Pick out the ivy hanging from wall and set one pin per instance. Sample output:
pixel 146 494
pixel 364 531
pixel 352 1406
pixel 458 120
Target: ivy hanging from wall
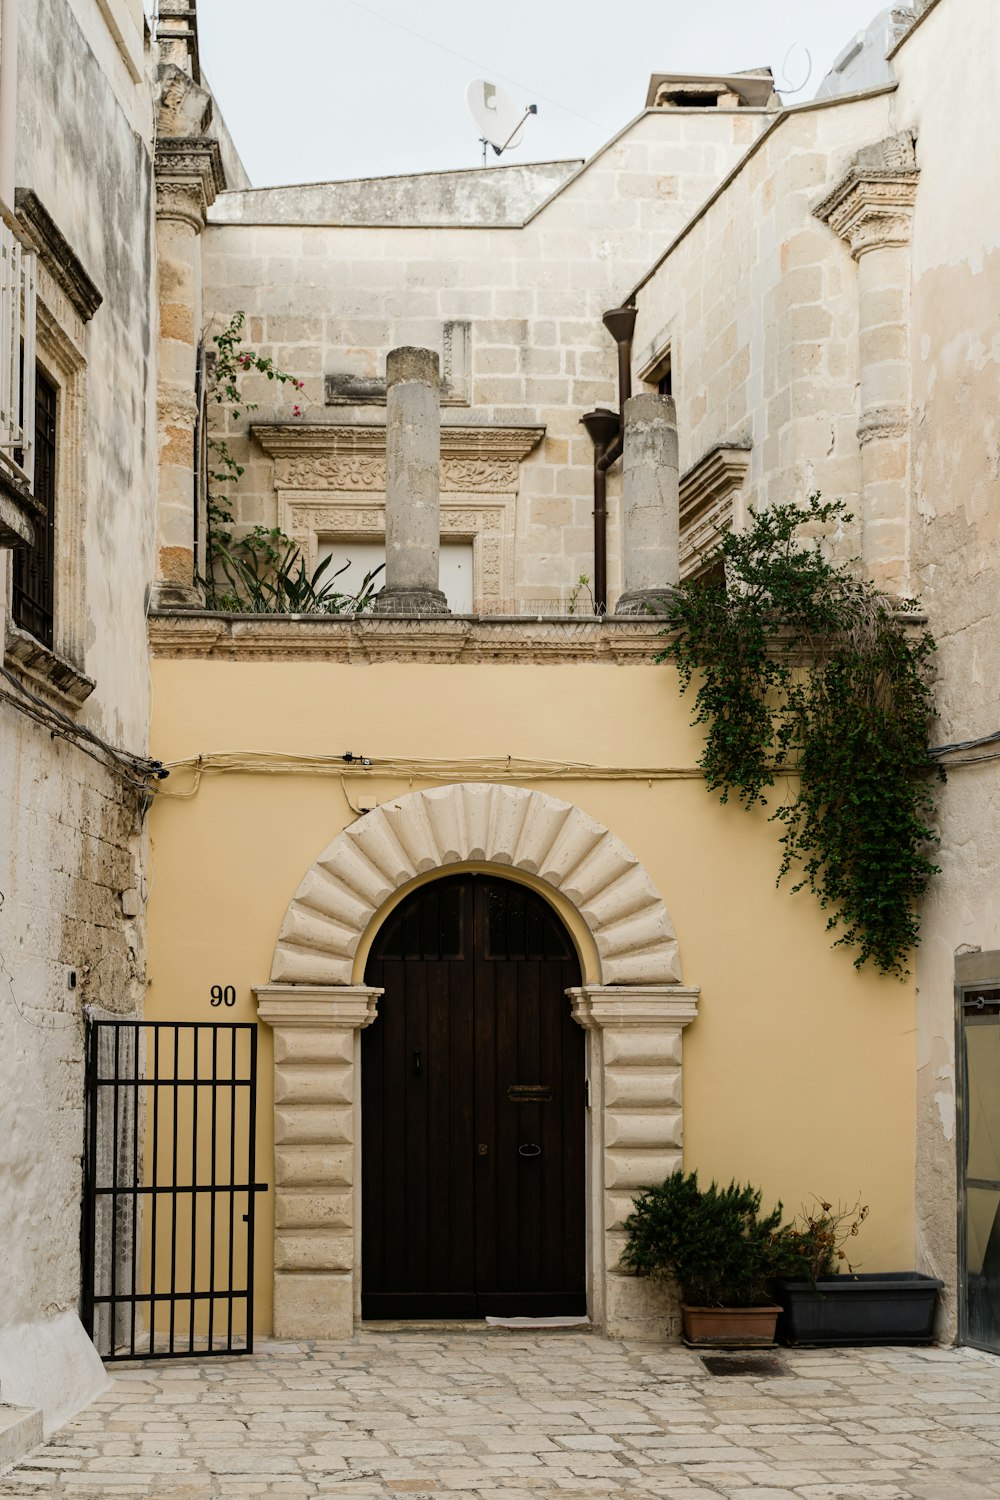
pixel 804 669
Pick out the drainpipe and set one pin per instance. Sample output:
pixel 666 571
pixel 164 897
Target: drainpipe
pixel 609 443
pixel 602 428
pixel 8 99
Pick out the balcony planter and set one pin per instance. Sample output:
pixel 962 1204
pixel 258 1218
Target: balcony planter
pixel 891 1307
pixel 729 1327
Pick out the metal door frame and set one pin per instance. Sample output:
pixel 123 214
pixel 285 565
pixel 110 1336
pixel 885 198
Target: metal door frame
pixel 973 971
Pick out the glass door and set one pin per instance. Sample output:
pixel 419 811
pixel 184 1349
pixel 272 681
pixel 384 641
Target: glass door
pixel 980 1219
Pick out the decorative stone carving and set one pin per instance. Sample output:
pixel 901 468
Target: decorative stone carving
pixel 476 821
pixel 872 205
pixel 351 457
pixel 882 422
pixel 194 636
pixel 189 174
pixel 707 502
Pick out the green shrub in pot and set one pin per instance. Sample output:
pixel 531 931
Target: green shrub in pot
pixel 712 1241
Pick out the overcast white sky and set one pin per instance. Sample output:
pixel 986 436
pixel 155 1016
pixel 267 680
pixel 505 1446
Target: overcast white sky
pixel 316 90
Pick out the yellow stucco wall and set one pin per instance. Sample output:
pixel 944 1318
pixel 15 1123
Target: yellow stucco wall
pixel 798 1073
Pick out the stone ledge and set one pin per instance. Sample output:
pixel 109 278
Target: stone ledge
pixel 20 1431
pixel 46 669
pixel 442 638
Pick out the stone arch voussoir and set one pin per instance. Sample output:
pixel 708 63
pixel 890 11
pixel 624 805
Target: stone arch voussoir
pixel 502 825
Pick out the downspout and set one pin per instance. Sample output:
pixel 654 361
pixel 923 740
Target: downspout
pixel 8 100
pixel 608 437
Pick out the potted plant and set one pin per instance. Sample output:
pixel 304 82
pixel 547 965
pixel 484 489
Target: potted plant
pixel 713 1242
pixel 826 1301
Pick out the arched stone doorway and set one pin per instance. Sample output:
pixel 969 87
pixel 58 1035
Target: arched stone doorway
pixel 631 1005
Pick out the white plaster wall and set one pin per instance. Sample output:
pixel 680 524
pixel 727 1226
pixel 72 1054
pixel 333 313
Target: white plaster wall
pixel 947 95
pixel 332 299
pixel 71 854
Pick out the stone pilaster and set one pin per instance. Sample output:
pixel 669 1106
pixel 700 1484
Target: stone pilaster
pixel 636 1138
pixel 189 174
pixel 316 1046
pixel 650 505
pixel 413 485
pixel 872 211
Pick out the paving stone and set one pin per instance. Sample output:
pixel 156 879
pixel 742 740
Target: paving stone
pixel 472 1415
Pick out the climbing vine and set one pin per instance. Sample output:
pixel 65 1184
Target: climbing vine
pixel 805 669
pixel 262 571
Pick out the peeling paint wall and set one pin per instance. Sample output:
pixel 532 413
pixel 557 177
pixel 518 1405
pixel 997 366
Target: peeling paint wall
pixel 72 851
pixel 947 95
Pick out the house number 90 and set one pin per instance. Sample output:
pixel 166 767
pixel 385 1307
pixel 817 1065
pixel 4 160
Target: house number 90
pixel 223 995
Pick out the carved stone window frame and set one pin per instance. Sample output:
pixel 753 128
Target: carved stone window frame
pixel 708 494
pixel 330 484
pixel 66 300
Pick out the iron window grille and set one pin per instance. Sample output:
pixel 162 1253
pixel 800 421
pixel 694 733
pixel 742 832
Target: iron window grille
pixel 33 602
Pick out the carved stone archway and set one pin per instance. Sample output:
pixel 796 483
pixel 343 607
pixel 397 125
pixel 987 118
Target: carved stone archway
pixel 634 1015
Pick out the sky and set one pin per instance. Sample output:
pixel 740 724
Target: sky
pixel 318 90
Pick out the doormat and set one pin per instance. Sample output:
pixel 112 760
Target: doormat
pixel 538 1322
pixel 757 1365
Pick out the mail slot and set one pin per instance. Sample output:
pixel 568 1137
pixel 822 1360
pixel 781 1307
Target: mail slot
pixel 530 1093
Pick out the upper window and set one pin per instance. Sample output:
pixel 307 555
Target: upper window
pixel 33 602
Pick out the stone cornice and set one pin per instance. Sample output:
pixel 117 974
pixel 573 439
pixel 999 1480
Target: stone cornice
pixel 871 208
pixel 318 1007
pixel 642 1006
pixel 189 175
pixel 370 639
pixel 714 477
pixel 351 456
pixel 47 240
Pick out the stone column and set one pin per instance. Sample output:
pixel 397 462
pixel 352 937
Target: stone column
pixel 634 1067
pixel 650 505
pixel 188 174
pixel 413 485
pixel 317 1043
pixel 872 210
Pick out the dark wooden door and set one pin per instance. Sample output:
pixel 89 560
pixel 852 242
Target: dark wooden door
pixel 472 1090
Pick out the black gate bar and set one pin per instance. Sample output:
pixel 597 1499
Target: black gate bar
pixel 153 1125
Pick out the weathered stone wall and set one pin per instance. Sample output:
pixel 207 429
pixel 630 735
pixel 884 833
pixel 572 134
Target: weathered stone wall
pixel 71 848
pixel 326 299
pixel 947 95
pixel 757 304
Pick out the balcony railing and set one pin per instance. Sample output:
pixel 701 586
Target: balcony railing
pixel 17 355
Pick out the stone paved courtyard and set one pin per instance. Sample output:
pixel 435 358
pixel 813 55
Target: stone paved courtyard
pixel 507 1416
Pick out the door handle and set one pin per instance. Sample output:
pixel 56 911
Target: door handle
pixel 416 1060
pixel 529 1149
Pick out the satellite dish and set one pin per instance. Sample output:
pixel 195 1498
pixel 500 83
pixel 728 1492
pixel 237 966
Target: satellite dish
pixel 498 119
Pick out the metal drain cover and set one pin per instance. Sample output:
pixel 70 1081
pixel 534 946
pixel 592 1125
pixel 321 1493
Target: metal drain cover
pixel 757 1365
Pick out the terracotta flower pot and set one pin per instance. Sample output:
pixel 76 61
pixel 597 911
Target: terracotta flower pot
pixel 730 1325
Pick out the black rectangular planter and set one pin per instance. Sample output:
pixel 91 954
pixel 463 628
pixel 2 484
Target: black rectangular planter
pixel 891 1307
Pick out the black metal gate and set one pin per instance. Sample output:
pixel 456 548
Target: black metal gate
pixel 169 1189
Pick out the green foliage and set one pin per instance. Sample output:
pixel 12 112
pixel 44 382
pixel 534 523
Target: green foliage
pixel 262 572
pixel 272 579
pixel 804 667
pixel 712 1241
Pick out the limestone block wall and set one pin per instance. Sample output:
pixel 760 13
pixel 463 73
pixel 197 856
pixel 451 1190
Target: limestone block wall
pixel 757 304
pixel 72 854
pixel 326 299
